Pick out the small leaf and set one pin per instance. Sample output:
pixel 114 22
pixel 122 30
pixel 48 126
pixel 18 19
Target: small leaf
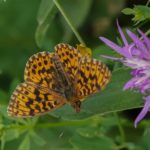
pixel 46 7
pixel 3 141
pixel 95 143
pixel 25 144
pixel 128 11
pixel 144 10
pixel 11 134
pixel 37 139
pixel 140 12
pixel 88 132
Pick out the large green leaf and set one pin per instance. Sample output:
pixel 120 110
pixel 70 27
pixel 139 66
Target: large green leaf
pixel 112 99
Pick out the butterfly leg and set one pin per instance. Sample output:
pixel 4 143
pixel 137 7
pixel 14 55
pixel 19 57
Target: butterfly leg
pixel 76 104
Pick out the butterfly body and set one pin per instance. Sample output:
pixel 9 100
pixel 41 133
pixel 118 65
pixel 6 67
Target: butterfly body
pixel 54 79
pixel 63 77
pixel 67 87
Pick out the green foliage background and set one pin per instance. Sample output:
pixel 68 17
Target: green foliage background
pixel 105 122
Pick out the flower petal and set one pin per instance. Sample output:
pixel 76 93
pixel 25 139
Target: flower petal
pixel 136 56
pixel 115 47
pixel 138 42
pixel 146 39
pixel 122 34
pixel 112 58
pixel 143 112
pixel 130 84
pixel 111 44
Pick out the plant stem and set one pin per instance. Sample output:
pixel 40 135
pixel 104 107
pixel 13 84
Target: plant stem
pixel 147 32
pixel 48 125
pixel 147 2
pixel 122 134
pixel 69 22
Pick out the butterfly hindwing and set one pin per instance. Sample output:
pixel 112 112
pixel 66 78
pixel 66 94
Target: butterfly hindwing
pixel 92 76
pixel 29 100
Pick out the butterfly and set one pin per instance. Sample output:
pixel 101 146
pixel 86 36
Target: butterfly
pixel 53 79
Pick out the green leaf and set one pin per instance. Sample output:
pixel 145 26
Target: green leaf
pixel 103 50
pixel 57 138
pixel 112 99
pixel 143 10
pixel 145 141
pixel 3 141
pixel 46 13
pixel 140 12
pixel 25 144
pixel 45 8
pixel 37 139
pixel 13 85
pixel 11 134
pixel 3 97
pixel 89 132
pixel 128 11
pixel 79 143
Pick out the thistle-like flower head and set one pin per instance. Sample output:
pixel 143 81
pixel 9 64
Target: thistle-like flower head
pixel 135 55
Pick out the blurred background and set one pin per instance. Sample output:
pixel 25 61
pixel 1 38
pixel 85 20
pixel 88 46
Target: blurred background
pixel 106 120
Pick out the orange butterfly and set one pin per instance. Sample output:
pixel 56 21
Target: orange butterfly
pixel 54 79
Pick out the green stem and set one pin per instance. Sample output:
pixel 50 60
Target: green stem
pixel 146 33
pixel 147 2
pixel 141 24
pixel 48 125
pixel 122 146
pixel 122 134
pixel 69 22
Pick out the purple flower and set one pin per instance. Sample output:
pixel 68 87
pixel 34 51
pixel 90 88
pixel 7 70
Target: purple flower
pixel 135 55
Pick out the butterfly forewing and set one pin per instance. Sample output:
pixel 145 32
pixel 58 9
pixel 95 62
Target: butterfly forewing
pixel 41 91
pixel 69 57
pixel 40 69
